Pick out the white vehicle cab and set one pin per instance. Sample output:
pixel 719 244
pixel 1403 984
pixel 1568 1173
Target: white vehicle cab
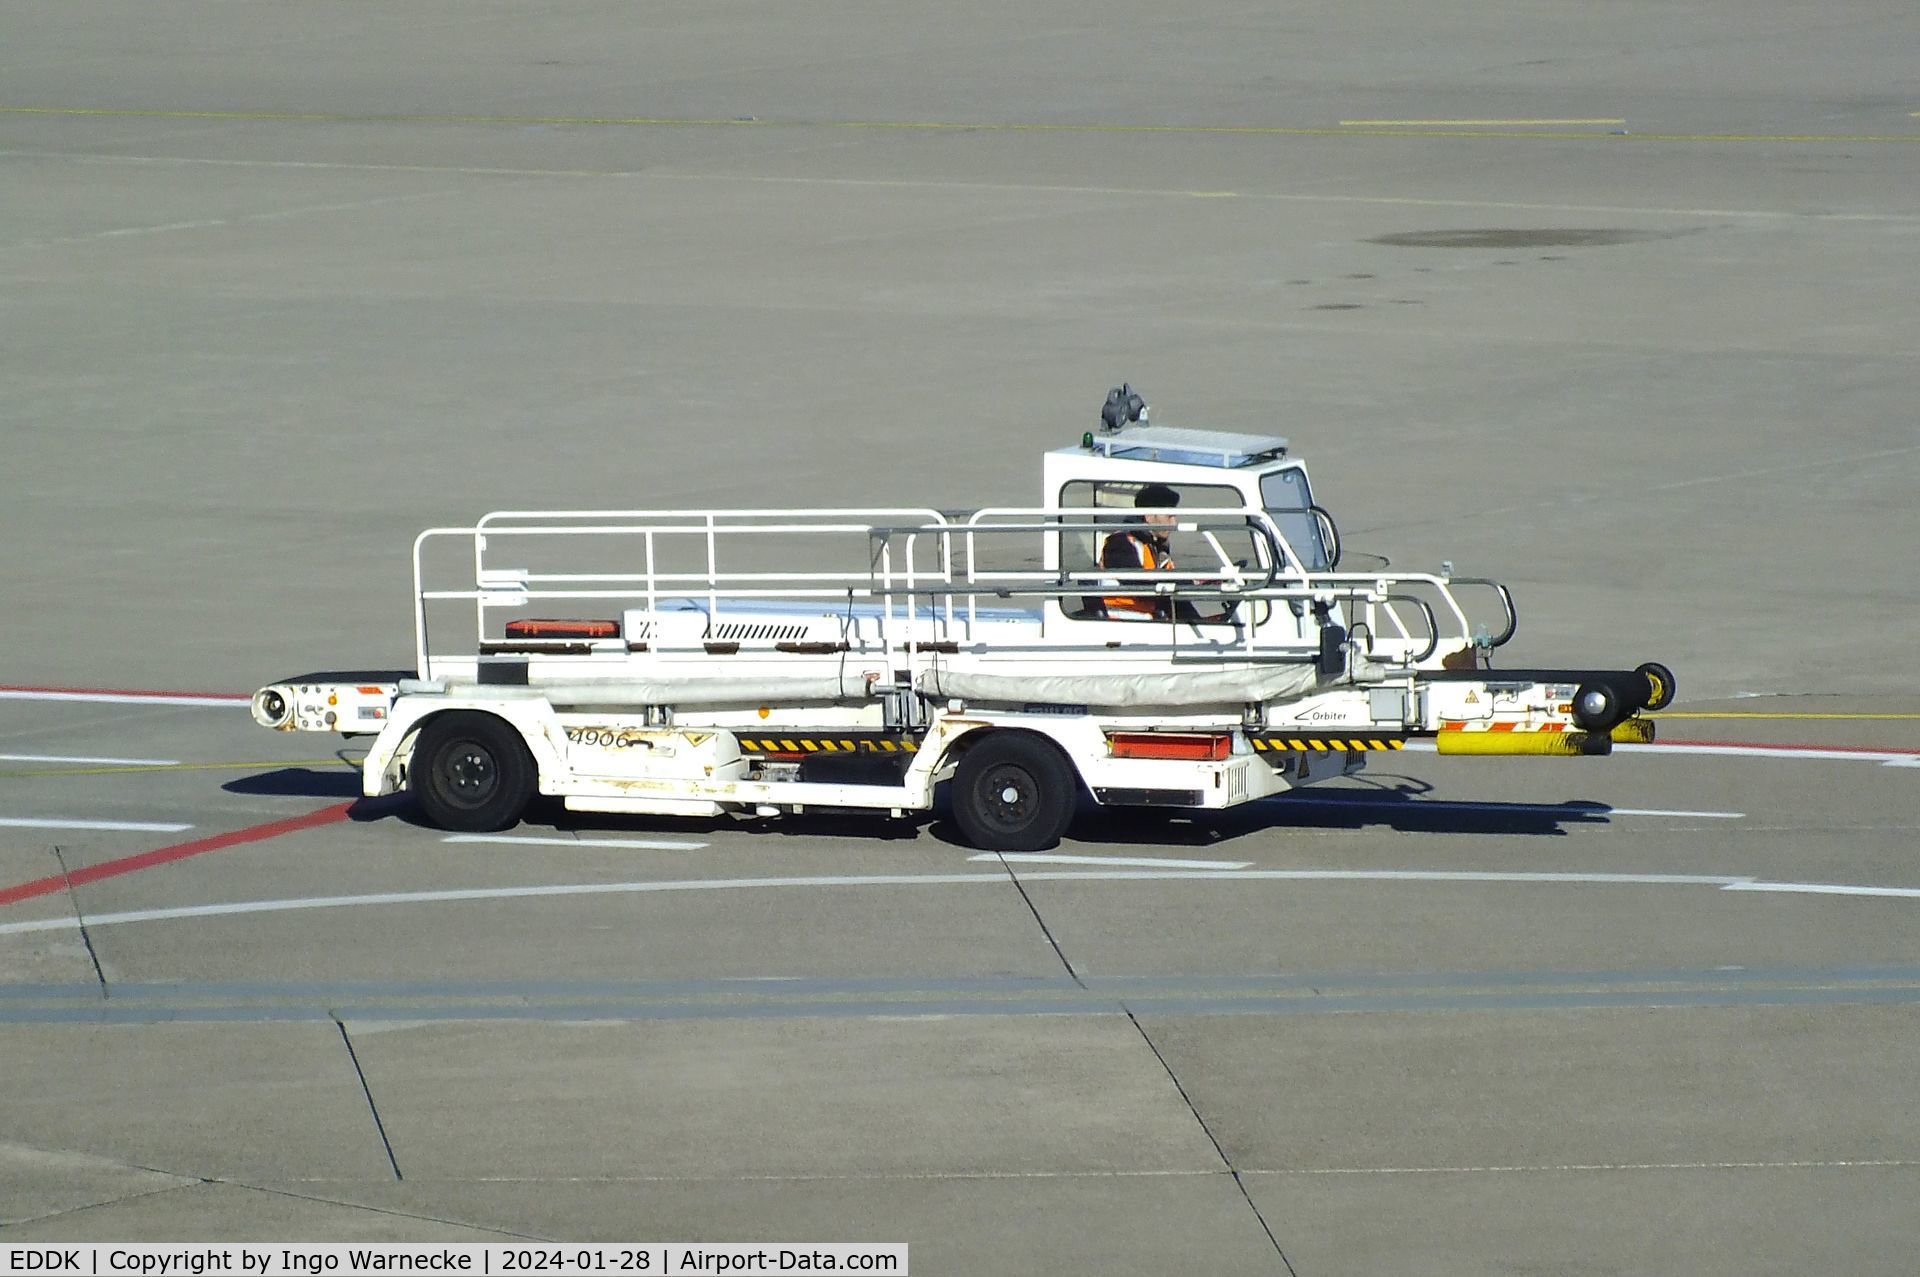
pixel 753 662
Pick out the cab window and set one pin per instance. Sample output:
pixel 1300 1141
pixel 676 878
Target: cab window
pixel 1285 495
pixel 1113 504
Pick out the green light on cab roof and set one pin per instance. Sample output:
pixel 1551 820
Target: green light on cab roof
pixel 1086 440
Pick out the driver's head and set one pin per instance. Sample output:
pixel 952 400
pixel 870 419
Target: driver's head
pixel 1157 494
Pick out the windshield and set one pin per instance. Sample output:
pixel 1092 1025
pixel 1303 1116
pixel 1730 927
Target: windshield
pixel 1285 495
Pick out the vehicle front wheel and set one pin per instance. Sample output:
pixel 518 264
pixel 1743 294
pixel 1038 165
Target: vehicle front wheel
pixel 1013 792
pixel 471 772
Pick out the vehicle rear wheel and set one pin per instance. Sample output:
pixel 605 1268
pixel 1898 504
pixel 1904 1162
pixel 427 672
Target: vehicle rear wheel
pixel 1013 792
pixel 471 772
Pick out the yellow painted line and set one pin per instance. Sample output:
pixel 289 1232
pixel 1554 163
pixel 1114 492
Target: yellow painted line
pixel 1743 713
pixel 1464 124
pixel 1357 129
pixel 179 767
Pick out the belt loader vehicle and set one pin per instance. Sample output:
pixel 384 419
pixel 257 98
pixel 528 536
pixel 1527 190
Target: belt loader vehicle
pixel 755 662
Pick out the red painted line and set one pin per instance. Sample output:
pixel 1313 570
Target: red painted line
pixel 167 855
pixel 123 691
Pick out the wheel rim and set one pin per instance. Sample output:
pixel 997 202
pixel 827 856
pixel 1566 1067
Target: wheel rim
pixel 1009 797
pixel 468 773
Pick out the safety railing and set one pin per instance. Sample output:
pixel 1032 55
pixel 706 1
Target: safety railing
pixel 925 577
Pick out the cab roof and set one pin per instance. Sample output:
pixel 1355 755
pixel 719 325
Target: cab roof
pixel 1214 448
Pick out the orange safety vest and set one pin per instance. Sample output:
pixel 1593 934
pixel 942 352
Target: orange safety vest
pixel 1150 606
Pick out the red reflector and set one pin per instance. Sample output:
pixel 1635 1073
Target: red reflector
pixel 532 628
pixel 1168 745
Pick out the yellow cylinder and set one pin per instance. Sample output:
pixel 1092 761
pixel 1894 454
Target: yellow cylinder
pixel 1530 744
pixel 1635 731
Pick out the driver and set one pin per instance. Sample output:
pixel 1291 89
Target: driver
pixel 1142 547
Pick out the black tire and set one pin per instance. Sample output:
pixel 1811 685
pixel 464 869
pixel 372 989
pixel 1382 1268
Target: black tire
pixel 471 772
pixel 1014 792
pixel 1660 684
pixel 1596 706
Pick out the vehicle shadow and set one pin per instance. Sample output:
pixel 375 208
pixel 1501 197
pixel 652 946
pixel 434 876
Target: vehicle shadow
pixel 862 825
pixel 1401 810
pixel 1406 807
pixel 299 782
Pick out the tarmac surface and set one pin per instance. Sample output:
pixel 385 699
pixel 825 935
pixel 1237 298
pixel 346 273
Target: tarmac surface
pixel 1613 303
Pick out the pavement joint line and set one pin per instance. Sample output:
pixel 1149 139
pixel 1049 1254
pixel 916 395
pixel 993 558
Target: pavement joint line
pixel 80 920
pixel 1206 1130
pixel 1219 1150
pixel 366 1090
pixel 1034 909
pixel 194 1181
pixel 376 1210
pixel 561 890
pixel 1357 129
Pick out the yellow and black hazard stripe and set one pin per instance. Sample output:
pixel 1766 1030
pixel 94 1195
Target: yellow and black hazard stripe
pixel 1301 743
pixel 813 741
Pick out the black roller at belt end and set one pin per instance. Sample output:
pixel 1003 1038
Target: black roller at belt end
pixel 1660 685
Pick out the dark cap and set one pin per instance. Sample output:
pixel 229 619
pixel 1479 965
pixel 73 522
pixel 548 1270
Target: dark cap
pixel 1156 494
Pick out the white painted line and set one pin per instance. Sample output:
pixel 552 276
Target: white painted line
pixel 1562 1168
pixel 1890 757
pixel 1462 124
pixel 79 758
pixel 1824 889
pixel 1137 862
pixel 1423 875
pixel 497 893
pixel 1896 758
pixel 880 880
pixel 929 184
pixel 1661 811
pixel 1552 809
pixel 637 844
pixel 121 698
pixel 132 826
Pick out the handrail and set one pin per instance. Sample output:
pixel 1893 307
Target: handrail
pixel 1506 602
pixel 953 570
